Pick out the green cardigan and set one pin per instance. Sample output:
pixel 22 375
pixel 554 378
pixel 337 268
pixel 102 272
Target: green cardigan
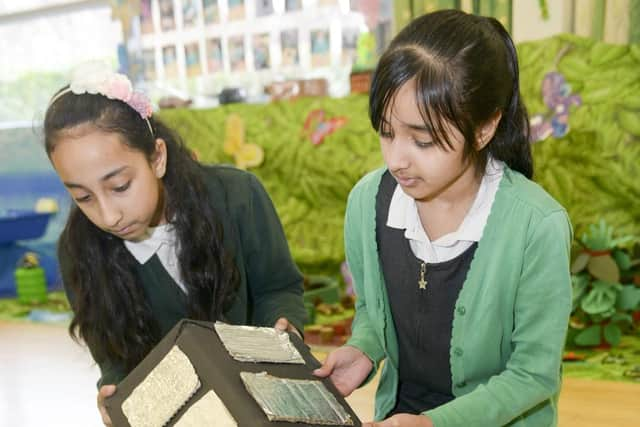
pixel 510 318
pixel 270 283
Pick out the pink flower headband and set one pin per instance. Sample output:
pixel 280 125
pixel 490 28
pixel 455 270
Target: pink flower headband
pixel 95 77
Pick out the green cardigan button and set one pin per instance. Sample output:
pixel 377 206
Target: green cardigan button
pixel 461 384
pixel 458 351
pixel 462 310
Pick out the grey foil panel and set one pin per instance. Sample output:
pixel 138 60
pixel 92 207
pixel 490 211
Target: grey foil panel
pixel 284 399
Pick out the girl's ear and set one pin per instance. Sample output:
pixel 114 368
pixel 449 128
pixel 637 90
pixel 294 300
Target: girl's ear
pixel 159 161
pixel 485 133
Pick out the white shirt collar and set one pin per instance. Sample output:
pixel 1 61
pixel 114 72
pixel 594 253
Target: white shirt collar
pixel 403 211
pixel 144 249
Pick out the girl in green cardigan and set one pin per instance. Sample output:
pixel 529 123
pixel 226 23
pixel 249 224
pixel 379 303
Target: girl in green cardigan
pixel 154 236
pixel 460 262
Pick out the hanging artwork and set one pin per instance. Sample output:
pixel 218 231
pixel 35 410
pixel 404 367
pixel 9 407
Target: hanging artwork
pixel 214 55
pixel 170 62
pixel 189 13
pixel 210 11
pixel 320 48
pixel 349 45
pixel 261 51
pixel 264 7
pixel 236 10
pixel 236 53
pixel 167 21
pixel 192 59
pixel 289 43
pixel 149 64
pixel 146 18
pixel 292 5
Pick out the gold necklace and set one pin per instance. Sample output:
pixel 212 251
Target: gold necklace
pixel 422 283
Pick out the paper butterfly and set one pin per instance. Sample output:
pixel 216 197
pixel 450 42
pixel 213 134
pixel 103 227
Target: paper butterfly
pixel 556 94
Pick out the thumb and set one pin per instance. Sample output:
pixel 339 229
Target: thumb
pixel 326 369
pixel 281 324
pixel 107 390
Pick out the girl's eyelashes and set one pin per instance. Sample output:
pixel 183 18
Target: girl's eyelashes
pixel 421 144
pixel 386 134
pixel 122 188
pixel 82 199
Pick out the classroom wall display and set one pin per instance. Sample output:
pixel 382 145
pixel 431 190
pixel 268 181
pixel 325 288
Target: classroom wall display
pixel 204 45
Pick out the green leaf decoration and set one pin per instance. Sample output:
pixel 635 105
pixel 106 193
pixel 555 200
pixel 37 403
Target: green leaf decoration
pixel 590 336
pixel 612 334
pixel 580 262
pixel 622 318
pixel 599 236
pixel 628 298
pixel 622 259
pixel 603 267
pixel 602 317
pixel 600 299
pixel 579 286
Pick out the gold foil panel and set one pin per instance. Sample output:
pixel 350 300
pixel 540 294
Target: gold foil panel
pixel 207 411
pixel 167 387
pixel 258 344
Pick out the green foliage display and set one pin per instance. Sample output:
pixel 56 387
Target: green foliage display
pixel 593 171
pixel 308 183
pixel 604 296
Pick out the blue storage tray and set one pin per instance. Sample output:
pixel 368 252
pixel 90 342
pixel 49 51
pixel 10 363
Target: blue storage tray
pixel 22 225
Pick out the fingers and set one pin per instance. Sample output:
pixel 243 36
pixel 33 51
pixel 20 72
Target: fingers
pixel 389 422
pixel 282 324
pixel 105 391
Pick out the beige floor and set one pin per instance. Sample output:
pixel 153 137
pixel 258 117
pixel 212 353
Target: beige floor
pixel 47 380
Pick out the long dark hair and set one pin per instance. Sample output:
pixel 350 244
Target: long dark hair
pixel 466 70
pixel 111 312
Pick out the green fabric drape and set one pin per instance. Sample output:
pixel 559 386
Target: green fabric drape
pixel 406 10
pixel 634 25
